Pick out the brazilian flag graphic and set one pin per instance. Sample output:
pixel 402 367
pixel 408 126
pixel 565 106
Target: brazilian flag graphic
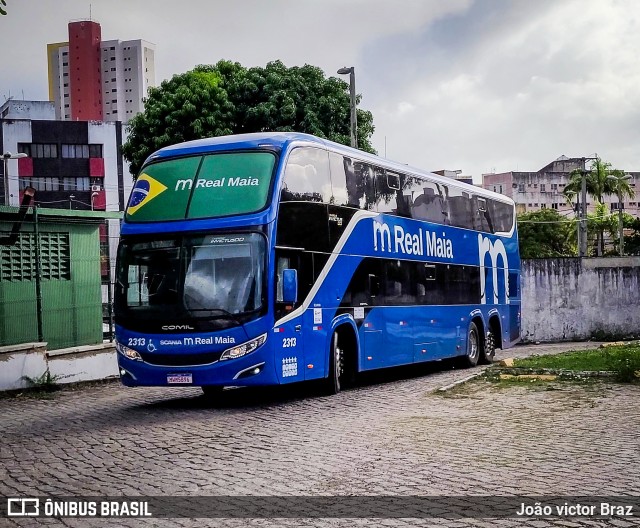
pixel 145 190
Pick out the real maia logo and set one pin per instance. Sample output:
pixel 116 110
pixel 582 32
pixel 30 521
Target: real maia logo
pixel 203 183
pixel 424 243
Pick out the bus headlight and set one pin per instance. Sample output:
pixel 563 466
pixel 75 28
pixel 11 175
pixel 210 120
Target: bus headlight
pixel 244 348
pixel 128 352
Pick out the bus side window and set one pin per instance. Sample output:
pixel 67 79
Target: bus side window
pixel 282 264
pixel 365 185
pixel 460 207
pixel 482 215
pixel 341 175
pixel 307 176
pixel 385 194
pixel 399 287
pixel 429 205
pixel 347 189
pixel 411 190
pixel 502 215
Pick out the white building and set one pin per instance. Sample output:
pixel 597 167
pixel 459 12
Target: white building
pixel 544 189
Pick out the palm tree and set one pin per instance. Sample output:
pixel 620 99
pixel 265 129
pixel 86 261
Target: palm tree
pixel 599 184
pixel 621 186
pixel 623 189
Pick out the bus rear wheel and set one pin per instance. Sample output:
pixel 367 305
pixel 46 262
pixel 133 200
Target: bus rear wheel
pixel 470 359
pixel 333 383
pixel 489 348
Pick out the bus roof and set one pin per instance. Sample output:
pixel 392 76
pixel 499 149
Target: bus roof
pixel 281 140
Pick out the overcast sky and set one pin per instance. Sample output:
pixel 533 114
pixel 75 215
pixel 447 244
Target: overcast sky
pixel 476 85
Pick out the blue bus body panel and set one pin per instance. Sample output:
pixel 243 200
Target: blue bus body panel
pixel 298 345
pixel 406 334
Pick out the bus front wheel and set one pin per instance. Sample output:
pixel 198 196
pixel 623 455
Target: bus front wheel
pixel 333 383
pixel 470 359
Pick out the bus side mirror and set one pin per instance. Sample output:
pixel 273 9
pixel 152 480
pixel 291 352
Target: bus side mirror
pixel 289 286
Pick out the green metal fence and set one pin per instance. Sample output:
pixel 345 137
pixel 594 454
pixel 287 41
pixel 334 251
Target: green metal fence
pixel 51 277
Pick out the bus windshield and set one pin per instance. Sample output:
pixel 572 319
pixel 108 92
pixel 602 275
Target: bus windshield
pixel 192 277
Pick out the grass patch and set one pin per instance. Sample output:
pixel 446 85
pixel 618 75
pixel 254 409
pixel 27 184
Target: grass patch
pixel 624 360
pixel 44 383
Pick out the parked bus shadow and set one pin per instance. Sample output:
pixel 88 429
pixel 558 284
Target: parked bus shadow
pixel 261 397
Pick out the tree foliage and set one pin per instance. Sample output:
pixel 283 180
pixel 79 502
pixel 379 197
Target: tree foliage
pixel 597 181
pixel 227 98
pixel 599 221
pixel 601 180
pixel 546 234
pixel 632 242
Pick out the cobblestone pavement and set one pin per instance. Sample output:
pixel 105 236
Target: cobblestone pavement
pixel 391 435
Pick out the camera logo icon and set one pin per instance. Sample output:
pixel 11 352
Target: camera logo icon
pixel 23 507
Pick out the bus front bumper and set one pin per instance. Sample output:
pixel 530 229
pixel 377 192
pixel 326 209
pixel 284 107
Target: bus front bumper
pixel 253 369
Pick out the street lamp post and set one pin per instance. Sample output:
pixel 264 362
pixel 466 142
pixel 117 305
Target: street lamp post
pixel 5 159
pixel 352 90
pixel 72 197
pixel 619 180
pixel 93 195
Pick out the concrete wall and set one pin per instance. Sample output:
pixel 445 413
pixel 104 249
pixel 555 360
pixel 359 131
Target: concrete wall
pixel 19 363
pixel 573 299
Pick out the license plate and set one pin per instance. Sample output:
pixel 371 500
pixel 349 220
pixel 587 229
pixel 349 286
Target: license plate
pixel 175 379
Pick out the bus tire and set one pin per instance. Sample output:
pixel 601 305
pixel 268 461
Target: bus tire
pixel 489 351
pixel 470 359
pixel 333 382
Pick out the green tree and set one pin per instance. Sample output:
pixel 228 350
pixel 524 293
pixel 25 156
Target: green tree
pixel 600 182
pixel 227 98
pixel 188 106
pixel 545 234
pixel 622 189
pixel 620 185
pixel 599 222
pixel 632 242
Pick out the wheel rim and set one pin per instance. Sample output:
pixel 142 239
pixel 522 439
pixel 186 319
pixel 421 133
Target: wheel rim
pixel 490 348
pixel 337 361
pixel 472 351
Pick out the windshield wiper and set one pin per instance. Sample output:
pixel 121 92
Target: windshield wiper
pixel 223 314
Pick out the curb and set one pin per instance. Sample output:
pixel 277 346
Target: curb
pixel 548 374
pixel 461 381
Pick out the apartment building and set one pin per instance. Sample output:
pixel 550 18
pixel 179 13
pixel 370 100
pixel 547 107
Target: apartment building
pixel 74 165
pixel 95 80
pixel 544 188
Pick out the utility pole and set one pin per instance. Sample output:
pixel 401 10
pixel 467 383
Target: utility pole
pixel 583 211
pixel 578 212
pixel 620 224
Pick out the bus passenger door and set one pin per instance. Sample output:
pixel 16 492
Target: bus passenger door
pixel 373 325
pixel 289 342
pixel 398 301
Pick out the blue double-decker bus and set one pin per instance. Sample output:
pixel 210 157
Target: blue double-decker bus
pixel 274 258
